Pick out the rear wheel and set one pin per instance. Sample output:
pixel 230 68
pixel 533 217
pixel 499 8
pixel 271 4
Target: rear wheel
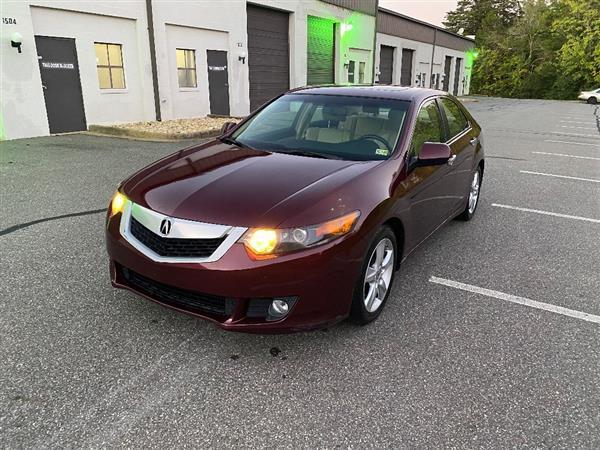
pixel 374 284
pixel 592 100
pixel 473 199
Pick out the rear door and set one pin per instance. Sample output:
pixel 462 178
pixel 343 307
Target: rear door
pixel 462 139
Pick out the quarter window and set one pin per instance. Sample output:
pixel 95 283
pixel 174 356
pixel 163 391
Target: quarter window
pixel 428 128
pixel 457 122
pixel 109 64
pixel 186 68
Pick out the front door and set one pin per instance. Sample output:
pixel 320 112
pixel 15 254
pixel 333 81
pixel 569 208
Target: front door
pixel 406 67
pixel 357 66
pixel 218 84
pixel 61 84
pixel 430 199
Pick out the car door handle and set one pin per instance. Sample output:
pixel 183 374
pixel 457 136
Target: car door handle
pixel 451 160
pixel 474 140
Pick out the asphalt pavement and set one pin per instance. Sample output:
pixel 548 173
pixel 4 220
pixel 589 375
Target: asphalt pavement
pixel 490 338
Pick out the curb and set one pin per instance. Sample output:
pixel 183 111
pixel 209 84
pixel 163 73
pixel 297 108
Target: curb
pixel 138 134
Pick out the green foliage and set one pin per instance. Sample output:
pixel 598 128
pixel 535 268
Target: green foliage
pixel 532 48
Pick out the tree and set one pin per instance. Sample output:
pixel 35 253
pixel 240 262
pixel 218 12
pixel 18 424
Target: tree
pixel 534 48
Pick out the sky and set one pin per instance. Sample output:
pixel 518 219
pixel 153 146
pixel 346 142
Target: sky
pixel 432 11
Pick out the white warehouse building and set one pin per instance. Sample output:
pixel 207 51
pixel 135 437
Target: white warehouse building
pixel 66 65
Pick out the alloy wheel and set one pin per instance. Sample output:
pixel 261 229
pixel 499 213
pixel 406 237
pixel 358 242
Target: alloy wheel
pixel 474 192
pixel 379 275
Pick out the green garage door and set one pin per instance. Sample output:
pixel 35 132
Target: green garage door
pixel 321 47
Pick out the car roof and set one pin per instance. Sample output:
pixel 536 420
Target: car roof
pixel 412 94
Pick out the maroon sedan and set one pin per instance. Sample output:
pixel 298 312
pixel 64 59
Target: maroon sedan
pixel 299 216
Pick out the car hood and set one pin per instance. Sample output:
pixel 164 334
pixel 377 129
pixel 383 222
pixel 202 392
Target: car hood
pixel 224 184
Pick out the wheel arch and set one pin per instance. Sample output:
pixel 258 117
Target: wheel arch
pixel 398 228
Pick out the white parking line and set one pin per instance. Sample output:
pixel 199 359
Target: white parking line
pixel 577 121
pixel 573 143
pixel 578 128
pixel 567 156
pixel 560 176
pixel 547 213
pixel 516 299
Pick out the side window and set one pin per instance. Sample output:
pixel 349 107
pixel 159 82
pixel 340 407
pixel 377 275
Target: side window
pixel 109 64
pixel 457 121
pixel 428 128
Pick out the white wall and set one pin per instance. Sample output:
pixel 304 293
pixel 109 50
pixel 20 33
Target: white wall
pixel 119 21
pixel 421 60
pixel 201 25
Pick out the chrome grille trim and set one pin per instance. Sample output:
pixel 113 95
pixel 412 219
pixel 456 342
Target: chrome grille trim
pixel 181 228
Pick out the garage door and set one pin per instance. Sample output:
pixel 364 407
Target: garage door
pixel 320 47
pixel 406 69
pixel 386 64
pixel 268 54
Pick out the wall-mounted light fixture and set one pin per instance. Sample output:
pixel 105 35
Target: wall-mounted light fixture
pixel 16 40
pixel 242 57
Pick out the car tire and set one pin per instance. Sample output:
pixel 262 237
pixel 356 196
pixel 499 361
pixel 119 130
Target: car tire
pixel 377 273
pixel 592 100
pixel 473 197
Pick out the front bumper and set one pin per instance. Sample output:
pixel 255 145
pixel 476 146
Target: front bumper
pixel 321 280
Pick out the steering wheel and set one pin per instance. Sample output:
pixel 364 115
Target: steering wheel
pixel 378 139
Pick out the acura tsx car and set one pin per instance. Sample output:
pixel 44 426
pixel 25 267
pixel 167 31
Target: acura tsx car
pixel 299 216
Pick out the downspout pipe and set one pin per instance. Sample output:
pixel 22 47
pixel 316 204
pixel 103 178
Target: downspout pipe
pixel 432 54
pixel 150 17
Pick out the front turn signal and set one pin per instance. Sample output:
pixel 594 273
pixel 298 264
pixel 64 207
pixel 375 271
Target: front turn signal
pixel 117 204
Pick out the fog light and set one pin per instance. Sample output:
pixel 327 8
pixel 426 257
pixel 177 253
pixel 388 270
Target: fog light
pixel 278 308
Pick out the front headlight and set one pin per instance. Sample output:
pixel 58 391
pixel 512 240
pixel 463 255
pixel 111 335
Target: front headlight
pixel 270 242
pixel 117 204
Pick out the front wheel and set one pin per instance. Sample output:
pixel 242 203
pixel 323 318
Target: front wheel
pixel 473 199
pixel 592 100
pixel 375 281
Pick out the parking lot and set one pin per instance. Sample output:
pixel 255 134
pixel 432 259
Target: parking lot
pixel 491 337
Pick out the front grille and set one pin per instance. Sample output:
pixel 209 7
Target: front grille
pixel 174 247
pixel 180 298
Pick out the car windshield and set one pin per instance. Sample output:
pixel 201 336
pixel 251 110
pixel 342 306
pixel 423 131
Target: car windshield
pixel 328 126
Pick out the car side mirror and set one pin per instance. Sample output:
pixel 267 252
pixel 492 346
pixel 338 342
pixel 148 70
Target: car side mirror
pixel 227 127
pixel 434 154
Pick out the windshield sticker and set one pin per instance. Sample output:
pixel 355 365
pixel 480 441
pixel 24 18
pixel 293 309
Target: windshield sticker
pixel 382 152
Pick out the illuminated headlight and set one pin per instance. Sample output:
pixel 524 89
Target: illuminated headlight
pixel 117 204
pixel 270 242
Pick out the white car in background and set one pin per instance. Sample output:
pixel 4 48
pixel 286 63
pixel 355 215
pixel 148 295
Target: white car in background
pixel 592 97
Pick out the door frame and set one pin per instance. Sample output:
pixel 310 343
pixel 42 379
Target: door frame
pixel 78 76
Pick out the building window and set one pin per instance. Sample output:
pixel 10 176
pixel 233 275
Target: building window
pixel 109 63
pixel 186 68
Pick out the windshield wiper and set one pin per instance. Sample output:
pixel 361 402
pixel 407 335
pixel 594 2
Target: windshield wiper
pixel 232 141
pixel 303 152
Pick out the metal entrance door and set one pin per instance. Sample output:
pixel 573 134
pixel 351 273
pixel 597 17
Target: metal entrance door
pixel 61 84
pixel 447 66
pixel 218 84
pixel 406 68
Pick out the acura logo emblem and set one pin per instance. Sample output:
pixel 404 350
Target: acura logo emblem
pixel 165 226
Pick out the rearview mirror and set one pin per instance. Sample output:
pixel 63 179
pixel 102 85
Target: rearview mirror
pixel 434 153
pixel 227 127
